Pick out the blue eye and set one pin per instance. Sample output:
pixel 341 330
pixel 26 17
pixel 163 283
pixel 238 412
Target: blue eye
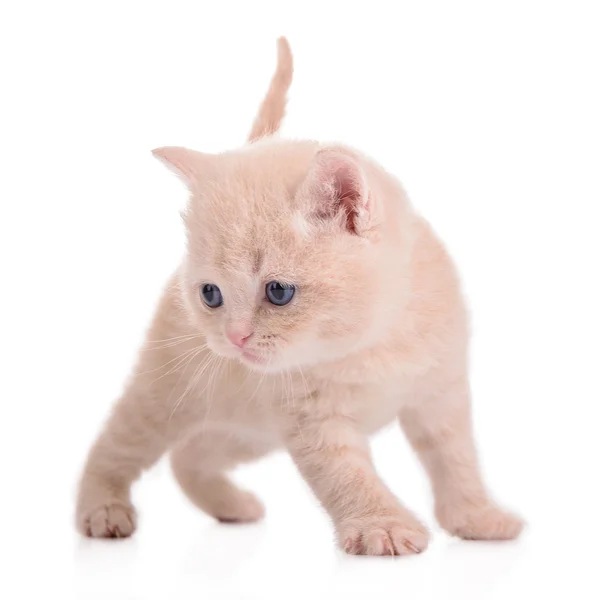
pixel 279 294
pixel 211 295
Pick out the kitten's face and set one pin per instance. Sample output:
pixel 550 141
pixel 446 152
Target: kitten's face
pixel 267 282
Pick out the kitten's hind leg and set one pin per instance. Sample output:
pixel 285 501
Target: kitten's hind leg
pixel 440 431
pixel 200 466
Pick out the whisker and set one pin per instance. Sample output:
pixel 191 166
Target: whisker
pixel 304 383
pixel 281 383
pixel 217 373
pixel 207 386
pixel 262 378
pixel 188 351
pixel 177 337
pixel 191 383
pixel 246 377
pixel 170 344
pixel 288 390
pixel 289 375
pixel 181 359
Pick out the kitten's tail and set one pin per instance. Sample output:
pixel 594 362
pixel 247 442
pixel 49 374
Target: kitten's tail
pixel 272 109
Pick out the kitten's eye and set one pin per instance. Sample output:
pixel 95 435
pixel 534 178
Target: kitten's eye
pixel 211 295
pixel 279 293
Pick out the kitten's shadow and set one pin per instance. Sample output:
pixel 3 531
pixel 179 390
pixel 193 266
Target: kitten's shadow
pixel 216 549
pixel 452 568
pixel 220 549
pixel 478 567
pixel 95 558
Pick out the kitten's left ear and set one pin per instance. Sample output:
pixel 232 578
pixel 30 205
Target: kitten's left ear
pixel 336 187
pixel 190 166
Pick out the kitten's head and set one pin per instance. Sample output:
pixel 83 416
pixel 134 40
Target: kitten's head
pixel 284 264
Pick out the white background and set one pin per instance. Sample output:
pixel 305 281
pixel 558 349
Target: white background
pixel 489 114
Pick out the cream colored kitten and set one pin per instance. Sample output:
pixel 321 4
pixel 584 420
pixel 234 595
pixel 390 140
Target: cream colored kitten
pixel 313 307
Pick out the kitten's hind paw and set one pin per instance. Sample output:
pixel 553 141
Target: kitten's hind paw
pixel 243 507
pixel 480 523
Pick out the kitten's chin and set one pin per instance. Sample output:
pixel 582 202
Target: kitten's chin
pixel 251 358
pixel 260 363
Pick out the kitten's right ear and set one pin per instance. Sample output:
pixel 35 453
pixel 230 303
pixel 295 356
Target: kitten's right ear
pixel 336 187
pixel 190 166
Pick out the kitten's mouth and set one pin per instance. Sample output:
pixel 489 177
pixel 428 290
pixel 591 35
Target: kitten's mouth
pixel 252 358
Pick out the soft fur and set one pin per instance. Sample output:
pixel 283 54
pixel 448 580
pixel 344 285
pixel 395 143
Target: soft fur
pixel 377 331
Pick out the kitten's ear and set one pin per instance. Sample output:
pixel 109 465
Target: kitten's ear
pixel 336 187
pixel 190 166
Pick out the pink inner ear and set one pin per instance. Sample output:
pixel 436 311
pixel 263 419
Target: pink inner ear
pixel 344 187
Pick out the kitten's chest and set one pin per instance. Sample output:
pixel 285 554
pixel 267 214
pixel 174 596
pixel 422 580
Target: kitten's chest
pixel 375 406
pixel 254 400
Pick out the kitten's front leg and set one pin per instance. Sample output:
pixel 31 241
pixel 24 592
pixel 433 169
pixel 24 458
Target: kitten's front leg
pixel 440 431
pixel 334 458
pixel 132 440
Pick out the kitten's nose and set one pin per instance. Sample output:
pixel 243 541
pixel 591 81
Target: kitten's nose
pixel 238 335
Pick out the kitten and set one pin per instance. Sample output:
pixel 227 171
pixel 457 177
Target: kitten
pixel 313 307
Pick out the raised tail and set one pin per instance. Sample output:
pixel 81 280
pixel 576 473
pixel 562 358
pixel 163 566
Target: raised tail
pixel 272 109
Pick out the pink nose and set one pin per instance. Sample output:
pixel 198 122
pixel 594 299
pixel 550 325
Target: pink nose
pixel 238 336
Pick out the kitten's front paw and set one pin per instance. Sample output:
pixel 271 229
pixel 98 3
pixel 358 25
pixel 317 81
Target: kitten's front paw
pixel 383 535
pixel 486 522
pixel 107 520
